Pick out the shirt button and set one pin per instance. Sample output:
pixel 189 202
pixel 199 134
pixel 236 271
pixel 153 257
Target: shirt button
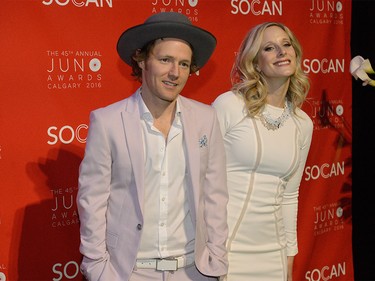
pixel 139 226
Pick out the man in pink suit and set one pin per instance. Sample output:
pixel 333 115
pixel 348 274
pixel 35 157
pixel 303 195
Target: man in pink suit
pixel 152 185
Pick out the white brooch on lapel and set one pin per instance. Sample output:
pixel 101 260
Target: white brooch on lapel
pixel 203 141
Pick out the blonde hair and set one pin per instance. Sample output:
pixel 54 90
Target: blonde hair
pixel 251 84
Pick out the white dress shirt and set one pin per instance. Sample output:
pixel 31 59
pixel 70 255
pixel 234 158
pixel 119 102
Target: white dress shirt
pixel 168 230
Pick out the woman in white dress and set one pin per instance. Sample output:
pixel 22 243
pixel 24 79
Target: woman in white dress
pixel 267 138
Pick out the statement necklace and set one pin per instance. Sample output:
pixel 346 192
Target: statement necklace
pixel 274 124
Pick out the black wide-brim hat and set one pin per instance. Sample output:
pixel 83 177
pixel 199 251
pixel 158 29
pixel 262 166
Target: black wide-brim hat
pixel 167 25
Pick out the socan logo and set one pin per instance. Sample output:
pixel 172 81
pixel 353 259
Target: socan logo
pixel 325 171
pixel 66 271
pixel 67 134
pixel 324 65
pixel 256 7
pixel 326 272
pixel 79 3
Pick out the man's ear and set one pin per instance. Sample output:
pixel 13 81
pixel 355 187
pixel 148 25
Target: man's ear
pixel 141 64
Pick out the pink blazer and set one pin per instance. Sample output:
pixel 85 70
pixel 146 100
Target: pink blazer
pixel 111 189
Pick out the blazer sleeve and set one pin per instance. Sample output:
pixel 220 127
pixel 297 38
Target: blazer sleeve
pixel 93 192
pixel 211 259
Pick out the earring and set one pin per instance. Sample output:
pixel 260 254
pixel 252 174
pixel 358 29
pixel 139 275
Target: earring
pixel 257 68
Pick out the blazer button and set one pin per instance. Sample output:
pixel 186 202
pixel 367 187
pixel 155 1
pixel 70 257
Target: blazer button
pixel 139 226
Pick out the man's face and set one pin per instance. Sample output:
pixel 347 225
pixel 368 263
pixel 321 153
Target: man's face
pixel 166 70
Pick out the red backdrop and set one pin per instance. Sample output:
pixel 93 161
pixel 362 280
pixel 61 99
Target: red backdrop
pixel 59 62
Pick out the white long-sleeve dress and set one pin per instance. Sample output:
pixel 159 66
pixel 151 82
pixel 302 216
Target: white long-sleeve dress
pixel 264 171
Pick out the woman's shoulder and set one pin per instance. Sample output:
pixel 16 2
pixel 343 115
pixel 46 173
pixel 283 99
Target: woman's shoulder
pixel 230 109
pixel 229 101
pixel 305 121
pixel 228 97
pixel 303 116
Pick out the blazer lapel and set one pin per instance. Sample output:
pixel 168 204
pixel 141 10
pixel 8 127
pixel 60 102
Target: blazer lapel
pixel 133 136
pixel 192 150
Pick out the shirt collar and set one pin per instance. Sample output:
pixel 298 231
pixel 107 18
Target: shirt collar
pixel 145 113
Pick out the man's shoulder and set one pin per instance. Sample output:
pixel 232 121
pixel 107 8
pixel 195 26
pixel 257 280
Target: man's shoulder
pixel 116 106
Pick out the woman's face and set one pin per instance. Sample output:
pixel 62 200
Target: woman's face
pixel 276 56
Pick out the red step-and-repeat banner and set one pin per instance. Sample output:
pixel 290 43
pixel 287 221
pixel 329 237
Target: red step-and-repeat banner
pixel 59 62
